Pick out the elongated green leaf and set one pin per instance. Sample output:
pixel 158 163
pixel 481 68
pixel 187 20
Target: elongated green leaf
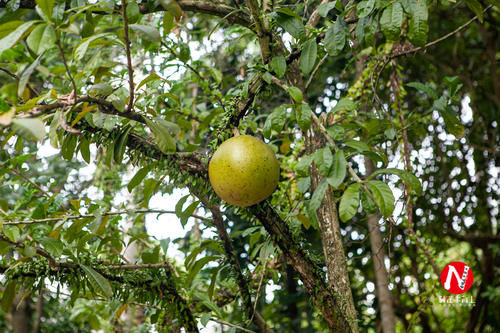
pixel 139 176
pixel 476 7
pixel 422 87
pixel 364 8
pixel 335 37
pixel 23 80
pixel 198 266
pixel 81 50
pixel 336 132
pixel 147 32
pixel 318 195
pixel 358 145
pixel 291 24
pixel 275 121
pixel 132 12
pixel 30 128
pixel 98 282
pixel 308 56
pixel 84 148
pixel 41 38
pixel 453 123
pixel 405 176
pixel 324 159
pixel 173 7
pixel 324 8
pixel 278 65
pixel 8 295
pixel 418 23
pixel 383 196
pixel 338 170
pixel 391 21
pixel 120 145
pixel 303 116
pixel 349 203
pixel 345 104
pixel 296 94
pixel 186 214
pixel 46 6
pixel 14 37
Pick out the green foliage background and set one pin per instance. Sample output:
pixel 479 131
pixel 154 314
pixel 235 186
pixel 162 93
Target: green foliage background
pixel 412 85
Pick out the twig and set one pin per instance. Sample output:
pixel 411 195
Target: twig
pixel 415 49
pixel 315 71
pixel 67 127
pixel 14 75
pixel 185 63
pixel 129 59
pixel 31 182
pixel 58 43
pixel 75 217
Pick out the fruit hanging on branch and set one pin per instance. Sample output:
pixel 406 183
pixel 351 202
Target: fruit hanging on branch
pixel 244 171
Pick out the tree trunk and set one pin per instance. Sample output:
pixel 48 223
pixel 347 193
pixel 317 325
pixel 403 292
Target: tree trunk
pixel 333 249
pixel 378 255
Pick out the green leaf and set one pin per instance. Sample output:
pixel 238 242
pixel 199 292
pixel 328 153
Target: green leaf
pixel 336 132
pixel 302 167
pixel 81 50
pixel 101 89
pixel 53 246
pixel 147 32
pixel 358 145
pixel 368 205
pixel 364 8
pixel 349 203
pixel 278 65
pixel 292 25
pixel 476 7
pixel 120 145
pixel 46 6
pixel 186 214
pixel 345 104
pixel 98 282
pixel 383 196
pixel 41 38
pixel 419 27
pixel 308 56
pixel 391 21
pixel 324 159
pixel 338 169
pixel 14 37
pixel 405 176
pixel 296 94
pixel 335 37
pixel 84 148
pixel 8 295
pixel 12 232
pixel 318 196
pixel 168 23
pixel 132 12
pixel 304 184
pixel 453 123
pixel 324 8
pixel 205 318
pixel 29 128
pixel 275 121
pixel 423 88
pixel 150 78
pixel 23 80
pixel 303 116
pixel 139 176
pixel 198 266
pixel 68 146
pixel 173 7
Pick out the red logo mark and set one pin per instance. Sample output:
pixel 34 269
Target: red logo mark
pixel 457 277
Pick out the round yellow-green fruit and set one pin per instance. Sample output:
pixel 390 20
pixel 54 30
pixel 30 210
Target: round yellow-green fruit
pixel 244 171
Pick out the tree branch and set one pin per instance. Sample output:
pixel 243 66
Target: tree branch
pixel 76 217
pixel 129 59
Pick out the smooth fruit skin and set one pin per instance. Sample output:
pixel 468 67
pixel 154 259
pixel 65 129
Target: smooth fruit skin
pixel 244 171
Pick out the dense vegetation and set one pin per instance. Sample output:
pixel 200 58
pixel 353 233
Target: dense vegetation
pixel 384 116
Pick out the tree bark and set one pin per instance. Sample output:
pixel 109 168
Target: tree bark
pixel 378 255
